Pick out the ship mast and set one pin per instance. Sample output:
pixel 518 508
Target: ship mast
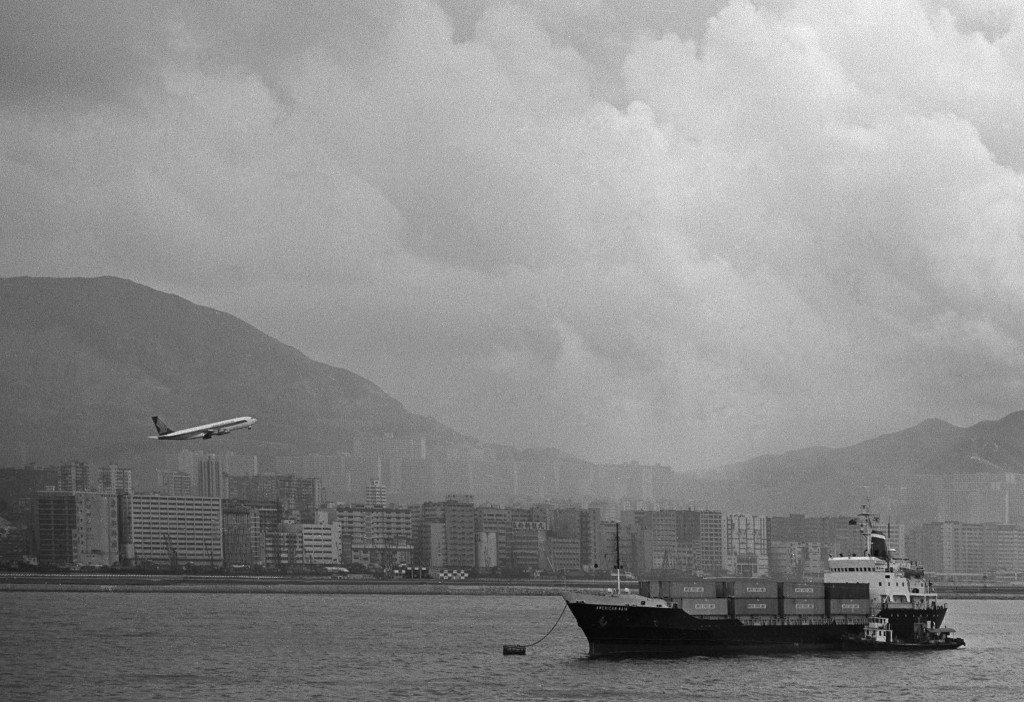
pixel 618 564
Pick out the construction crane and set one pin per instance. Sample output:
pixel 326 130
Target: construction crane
pixel 172 553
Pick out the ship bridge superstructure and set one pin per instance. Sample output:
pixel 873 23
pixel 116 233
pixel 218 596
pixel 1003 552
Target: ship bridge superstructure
pixel 894 583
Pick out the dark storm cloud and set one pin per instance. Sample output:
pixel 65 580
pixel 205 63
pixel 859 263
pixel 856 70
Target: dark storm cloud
pixel 71 53
pixel 686 232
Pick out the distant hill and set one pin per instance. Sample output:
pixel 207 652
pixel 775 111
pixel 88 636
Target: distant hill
pixel 85 363
pixel 833 481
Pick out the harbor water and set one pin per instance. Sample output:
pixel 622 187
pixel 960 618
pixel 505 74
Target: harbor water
pixel 234 646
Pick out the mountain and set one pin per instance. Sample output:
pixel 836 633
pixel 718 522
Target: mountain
pixel 85 363
pixel 893 468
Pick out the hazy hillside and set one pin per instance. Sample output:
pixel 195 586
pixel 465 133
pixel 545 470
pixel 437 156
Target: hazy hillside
pixel 84 363
pixel 834 481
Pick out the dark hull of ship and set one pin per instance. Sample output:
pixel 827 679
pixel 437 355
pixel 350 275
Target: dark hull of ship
pixel 907 624
pixel 649 632
pixel 616 631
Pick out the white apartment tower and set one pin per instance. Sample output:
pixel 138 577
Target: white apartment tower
pixel 376 494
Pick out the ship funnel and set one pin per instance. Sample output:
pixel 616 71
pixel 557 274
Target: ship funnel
pixel 879 547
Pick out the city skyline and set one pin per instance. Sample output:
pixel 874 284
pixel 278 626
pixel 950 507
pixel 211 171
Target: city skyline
pixel 93 517
pixel 458 537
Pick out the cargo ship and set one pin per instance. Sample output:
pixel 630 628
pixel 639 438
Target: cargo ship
pixel 872 601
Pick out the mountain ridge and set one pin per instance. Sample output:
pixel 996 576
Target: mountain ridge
pixel 85 362
pixel 84 355
pixel 832 480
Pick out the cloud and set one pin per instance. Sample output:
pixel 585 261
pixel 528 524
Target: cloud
pixel 679 234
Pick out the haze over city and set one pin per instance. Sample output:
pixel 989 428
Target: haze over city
pixel 675 233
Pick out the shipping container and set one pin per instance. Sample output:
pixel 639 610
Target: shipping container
pixel 746 606
pixel 706 606
pixel 751 588
pixel 691 589
pixel 851 606
pixel 847 591
pixel 795 607
pixel 809 590
pixel 649 588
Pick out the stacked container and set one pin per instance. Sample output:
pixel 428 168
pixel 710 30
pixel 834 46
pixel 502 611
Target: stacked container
pixel 704 606
pixel 753 597
pixel 691 589
pixel 846 599
pixel 802 599
pixel 701 598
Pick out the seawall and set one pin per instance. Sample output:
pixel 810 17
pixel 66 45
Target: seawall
pixel 975 591
pixel 10 582
pixel 284 585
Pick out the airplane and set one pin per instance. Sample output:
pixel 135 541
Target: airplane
pixel 203 431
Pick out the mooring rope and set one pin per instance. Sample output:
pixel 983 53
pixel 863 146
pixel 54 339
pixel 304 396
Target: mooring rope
pixel 552 628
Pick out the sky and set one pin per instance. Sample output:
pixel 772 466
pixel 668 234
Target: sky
pixel 677 232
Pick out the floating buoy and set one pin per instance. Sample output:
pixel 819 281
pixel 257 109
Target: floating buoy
pixel 520 650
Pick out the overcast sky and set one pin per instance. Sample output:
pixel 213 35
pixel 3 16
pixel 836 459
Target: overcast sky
pixel 684 232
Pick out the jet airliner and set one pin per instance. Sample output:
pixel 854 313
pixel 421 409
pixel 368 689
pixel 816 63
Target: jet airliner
pixel 203 431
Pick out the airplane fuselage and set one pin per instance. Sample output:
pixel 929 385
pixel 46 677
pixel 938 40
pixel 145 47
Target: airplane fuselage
pixel 203 431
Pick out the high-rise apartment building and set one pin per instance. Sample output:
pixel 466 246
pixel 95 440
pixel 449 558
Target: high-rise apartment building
pixel 746 546
pixel 82 477
pixel 590 523
pixel 210 481
pixel 493 527
pixel 75 528
pixel 243 542
pixel 528 546
pixel 53 527
pixel 381 534
pixel 174 482
pixel 320 544
pixel 958 547
pixel 283 547
pixel 710 543
pixel 73 477
pixel 171 530
pixel 454 520
pixel 113 479
pixel 376 494
pixel 290 492
pixel 654 540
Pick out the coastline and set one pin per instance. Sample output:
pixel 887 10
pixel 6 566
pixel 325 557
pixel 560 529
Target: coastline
pixel 74 582
pixel 286 585
pixel 975 591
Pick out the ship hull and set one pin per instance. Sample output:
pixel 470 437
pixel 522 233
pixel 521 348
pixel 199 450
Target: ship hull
pixel 614 631
pixel 943 645
pixel 908 624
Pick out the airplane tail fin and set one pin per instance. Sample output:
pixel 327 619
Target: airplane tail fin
pixel 161 428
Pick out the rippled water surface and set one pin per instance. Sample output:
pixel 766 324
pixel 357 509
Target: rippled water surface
pixel 167 646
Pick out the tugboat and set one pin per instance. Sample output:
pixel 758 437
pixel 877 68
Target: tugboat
pixel 879 636
pixel 869 602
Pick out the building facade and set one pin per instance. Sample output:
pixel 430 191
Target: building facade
pixel 74 529
pixel 171 530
